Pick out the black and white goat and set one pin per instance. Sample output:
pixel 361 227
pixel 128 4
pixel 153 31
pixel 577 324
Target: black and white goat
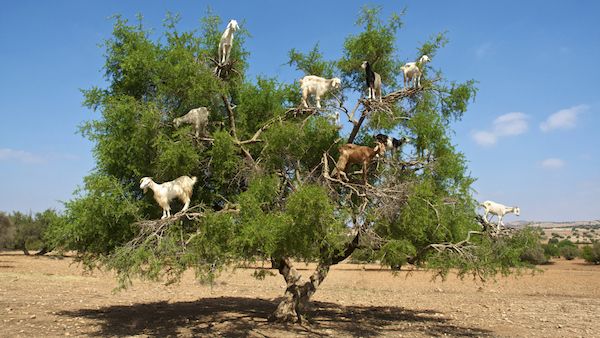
pixel 392 143
pixel 373 81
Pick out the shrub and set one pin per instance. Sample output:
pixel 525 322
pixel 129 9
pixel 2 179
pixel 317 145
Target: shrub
pixel 534 256
pixel 565 243
pixel 569 252
pixel 591 253
pixel 550 250
pixel 7 232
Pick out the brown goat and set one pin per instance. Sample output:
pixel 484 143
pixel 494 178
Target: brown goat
pixel 352 153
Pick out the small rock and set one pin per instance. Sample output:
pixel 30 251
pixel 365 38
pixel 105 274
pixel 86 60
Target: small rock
pixel 32 317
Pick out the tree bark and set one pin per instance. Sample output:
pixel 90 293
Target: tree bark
pixel 297 295
pixel 296 299
pixel 24 248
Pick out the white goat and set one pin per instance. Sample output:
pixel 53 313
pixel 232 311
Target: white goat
pixel 163 193
pixel 196 117
pixel 373 81
pixel 312 84
pixel 412 71
pixel 499 210
pixel 227 41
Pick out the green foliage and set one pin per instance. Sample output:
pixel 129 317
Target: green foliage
pixel 289 144
pixel 260 102
pixel 569 252
pixel 591 253
pixel 98 220
pixel 551 250
pixel 311 63
pixel 395 253
pixel 566 243
pixel 374 44
pixel 7 232
pixel 261 194
pixel 26 231
pixel 314 230
pixel 535 255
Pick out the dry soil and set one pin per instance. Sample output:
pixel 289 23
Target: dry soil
pixel 50 296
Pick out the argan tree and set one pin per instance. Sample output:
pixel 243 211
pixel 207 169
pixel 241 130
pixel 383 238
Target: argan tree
pixel 265 192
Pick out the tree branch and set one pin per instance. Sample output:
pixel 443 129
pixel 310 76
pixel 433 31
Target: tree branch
pixel 231 117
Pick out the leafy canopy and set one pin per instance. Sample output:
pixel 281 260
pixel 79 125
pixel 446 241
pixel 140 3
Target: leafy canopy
pixel 263 190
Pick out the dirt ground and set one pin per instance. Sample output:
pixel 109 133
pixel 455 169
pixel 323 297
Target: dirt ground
pixel 49 296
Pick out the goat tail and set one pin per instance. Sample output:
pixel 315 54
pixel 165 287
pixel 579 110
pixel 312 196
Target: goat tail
pixel 188 186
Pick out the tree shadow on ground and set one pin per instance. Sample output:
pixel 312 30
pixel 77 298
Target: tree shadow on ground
pixel 242 317
pixel 32 254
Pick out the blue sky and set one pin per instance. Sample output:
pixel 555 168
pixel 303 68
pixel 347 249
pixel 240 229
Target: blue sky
pixel 530 136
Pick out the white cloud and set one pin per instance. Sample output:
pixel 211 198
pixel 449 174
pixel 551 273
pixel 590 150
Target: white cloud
pixel 485 138
pixel 563 119
pixel 552 163
pixel 7 154
pixel 14 155
pixel 482 50
pixel 510 124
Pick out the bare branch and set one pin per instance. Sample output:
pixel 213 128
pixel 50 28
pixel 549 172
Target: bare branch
pixel 231 117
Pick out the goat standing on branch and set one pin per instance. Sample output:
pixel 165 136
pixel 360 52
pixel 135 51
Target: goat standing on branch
pixel 392 143
pixel 227 42
pixel 312 84
pixel 412 71
pixel 373 81
pixel 499 210
pixel 198 118
pixel 352 153
pixel 163 193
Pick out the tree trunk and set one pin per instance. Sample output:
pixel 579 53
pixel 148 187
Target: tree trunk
pixel 297 295
pixel 296 298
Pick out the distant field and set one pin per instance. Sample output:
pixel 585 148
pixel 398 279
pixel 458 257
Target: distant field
pixel 583 232
pixel 49 297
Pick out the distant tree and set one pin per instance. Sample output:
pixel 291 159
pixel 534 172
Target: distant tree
pixel 535 256
pixel 551 250
pixel 7 232
pixel 591 253
pixel 565 243
pixel 30 230
pixel 265 192
pixel 568 249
